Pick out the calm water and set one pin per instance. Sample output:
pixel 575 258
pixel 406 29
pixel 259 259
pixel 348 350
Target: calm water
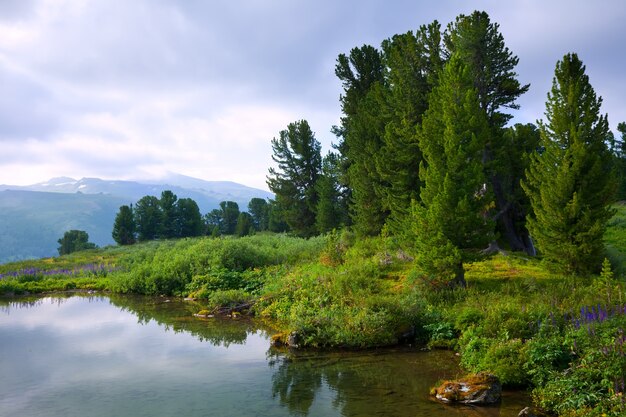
pixel 128 356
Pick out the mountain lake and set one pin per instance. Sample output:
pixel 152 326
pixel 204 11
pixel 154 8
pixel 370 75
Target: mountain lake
pixel 93 355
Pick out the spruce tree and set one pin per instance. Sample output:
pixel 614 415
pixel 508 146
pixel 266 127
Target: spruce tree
pixel 189 221
pixel 259 210
pixel 148 218
pixel 620 161
pixel 570 183
pixel 329 210
pixel 480 45
pixel 229 213
pixel 413 63
pixel 450 221
pixel 169 216
pixel 297 153
pixel 245 224
pixel 124 226
pixel 361 135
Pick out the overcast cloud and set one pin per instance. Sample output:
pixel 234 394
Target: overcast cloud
pixel 132 89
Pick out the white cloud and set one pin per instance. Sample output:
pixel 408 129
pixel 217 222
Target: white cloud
pixel 120 89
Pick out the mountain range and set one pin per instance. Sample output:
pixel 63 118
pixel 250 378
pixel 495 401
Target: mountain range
pixel 34 217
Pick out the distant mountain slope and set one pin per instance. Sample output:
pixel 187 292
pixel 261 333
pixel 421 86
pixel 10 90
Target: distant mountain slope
pixel 208 194
pixel 31 222
pixel 34 217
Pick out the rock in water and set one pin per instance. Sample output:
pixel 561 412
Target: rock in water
pixel 482 388
pixel 533 412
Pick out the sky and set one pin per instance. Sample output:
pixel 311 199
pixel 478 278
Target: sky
pixel 137 89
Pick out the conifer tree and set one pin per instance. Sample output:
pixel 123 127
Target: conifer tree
pixel 361 135
pixel 413 63
pixel 259 210
pixel 124 226
pixel 330 208
pixel 188 222
pixel 245 224
pixel 148 218
pixel 451 218
pixel 297 153
pixel 229 213
pixel 570 184
pixel 480 45
pixel 620 161
pixel 169 216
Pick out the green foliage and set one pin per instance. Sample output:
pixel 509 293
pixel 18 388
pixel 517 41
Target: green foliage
pixel 297 153
pixel 330 212
pixel 413 63
pixel 259 210
pixel 229 212
pixel 74 241
pixel 148 218
pixel 124 226
pixel 169 215
pixel 361 135
pixel 570 184
pixel 451 215
pixel 245 225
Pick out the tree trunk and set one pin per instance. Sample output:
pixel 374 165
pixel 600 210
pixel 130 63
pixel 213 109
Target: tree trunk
pixel 459 278
pixel 516 239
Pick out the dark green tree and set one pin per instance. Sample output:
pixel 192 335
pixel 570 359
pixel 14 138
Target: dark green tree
pixel 570 183
pixel 245 224
pixel 259 210
pixel 297 153
pixel 480 45
pixel 230 214
pixel 413 63
pixel 331 212
pixel 450 220
pixel 124 226
pixel 275 219
pixel 361 135
pixel 213 221
pixel 519 141
pixel 148 218
pixel 188 219
pixel 169 215
pixel 74 241
pixel 619 151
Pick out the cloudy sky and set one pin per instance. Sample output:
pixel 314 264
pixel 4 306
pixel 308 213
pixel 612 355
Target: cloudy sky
pixel 133 89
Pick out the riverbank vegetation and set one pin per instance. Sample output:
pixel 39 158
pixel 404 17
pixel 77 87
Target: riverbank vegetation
pixel 529 325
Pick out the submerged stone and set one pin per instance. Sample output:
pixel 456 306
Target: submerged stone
pixel 482 388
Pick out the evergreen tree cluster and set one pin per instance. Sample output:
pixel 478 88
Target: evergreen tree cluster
pixel 425 152
pixel 170 217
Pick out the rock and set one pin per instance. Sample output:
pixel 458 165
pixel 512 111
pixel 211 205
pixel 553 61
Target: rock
pixel 482 388
pixel 291 340
pixel 533 412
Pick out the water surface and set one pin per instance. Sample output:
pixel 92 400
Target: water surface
pixel 136 356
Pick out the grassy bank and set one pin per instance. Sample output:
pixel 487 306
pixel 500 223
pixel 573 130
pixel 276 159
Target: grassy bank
pixel 561 336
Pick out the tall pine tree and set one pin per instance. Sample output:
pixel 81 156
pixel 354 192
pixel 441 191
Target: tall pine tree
pixel 570 183
pixel 297 153
pixel 331 212
pixel 413 63
pixel 480 45
pixel 361 135
pixel 451 218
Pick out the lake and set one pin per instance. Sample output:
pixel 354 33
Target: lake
pixel 90 355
